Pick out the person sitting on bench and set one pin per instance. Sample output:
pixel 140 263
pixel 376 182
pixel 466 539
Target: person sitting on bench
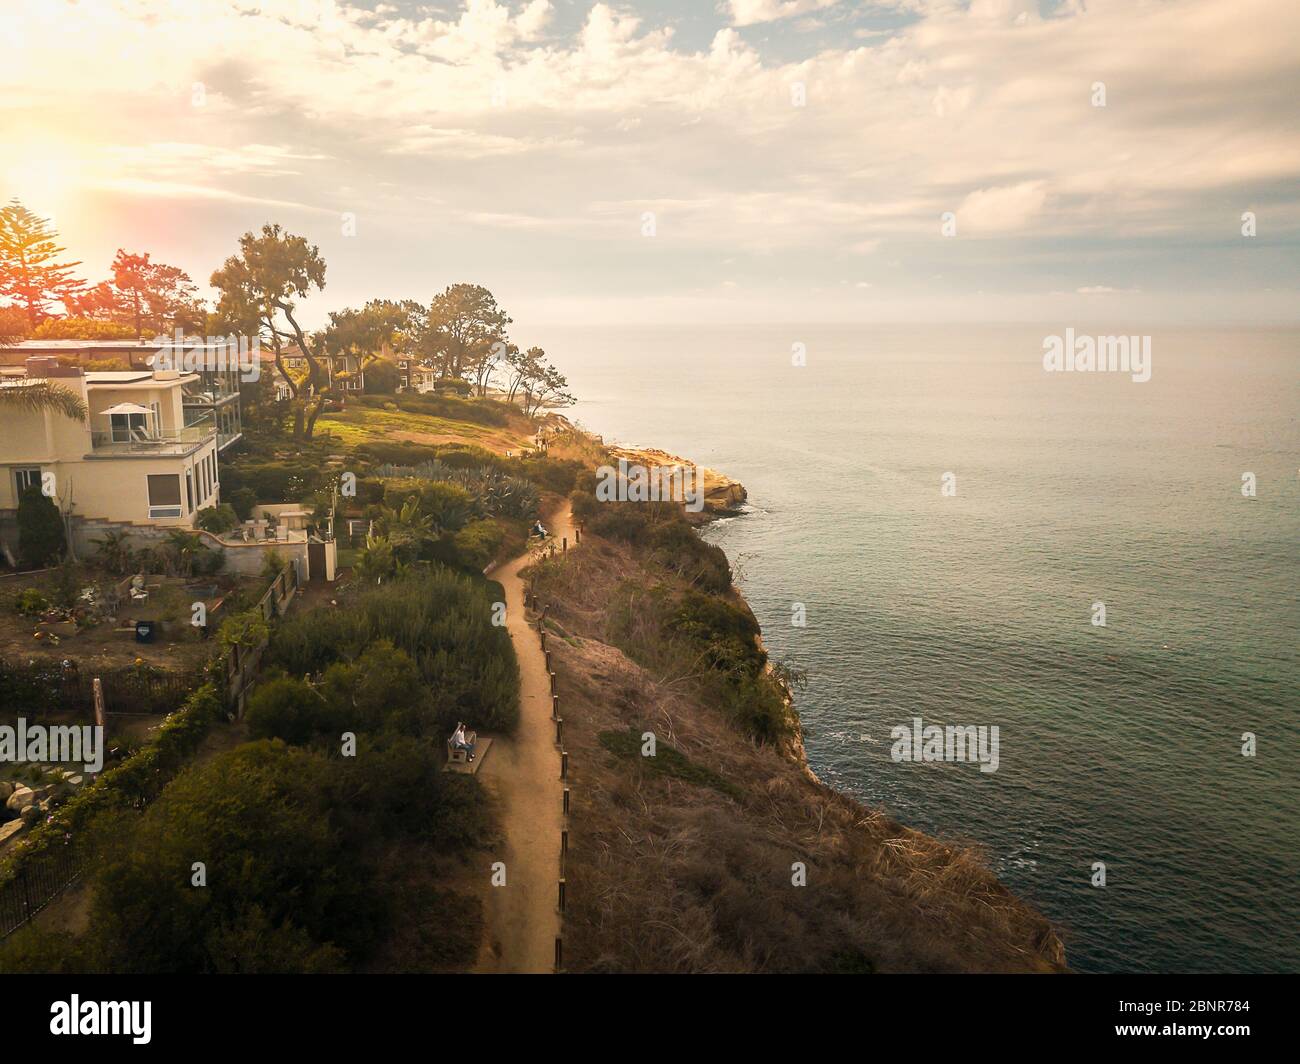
pixel 538 530
pixel 460 741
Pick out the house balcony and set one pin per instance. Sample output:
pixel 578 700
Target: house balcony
pixel 140 443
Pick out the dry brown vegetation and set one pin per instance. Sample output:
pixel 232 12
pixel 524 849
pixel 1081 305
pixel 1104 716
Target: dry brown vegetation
pixel 688 868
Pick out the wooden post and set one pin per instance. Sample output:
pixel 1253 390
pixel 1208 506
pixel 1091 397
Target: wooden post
pixel 552 683
pixel 559 732
pixel 101 717
pixel 559 950
pixel 566 801
pixel 564 764
pixel 564 840
pixel 564 544
pixel 577 535
pixel 561 894
pixel 555 707
pixel 548 659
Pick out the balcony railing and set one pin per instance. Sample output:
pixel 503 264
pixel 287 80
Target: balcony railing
pixel 208 396
pixel 140 441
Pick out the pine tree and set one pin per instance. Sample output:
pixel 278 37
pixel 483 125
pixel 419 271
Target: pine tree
pixel 30 273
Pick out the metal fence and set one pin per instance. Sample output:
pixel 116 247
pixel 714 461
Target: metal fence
pixel 64 687
pixel 36 884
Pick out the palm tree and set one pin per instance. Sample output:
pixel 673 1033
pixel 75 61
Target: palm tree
pixel 33 396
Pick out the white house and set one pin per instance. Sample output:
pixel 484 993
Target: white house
pixel 133 460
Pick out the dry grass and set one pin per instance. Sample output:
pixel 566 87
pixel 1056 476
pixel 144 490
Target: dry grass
pixel 669 875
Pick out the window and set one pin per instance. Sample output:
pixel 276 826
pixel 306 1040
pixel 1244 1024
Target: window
pixel 189 489
pixel 29 477
pixel 164 495
pixel 128 427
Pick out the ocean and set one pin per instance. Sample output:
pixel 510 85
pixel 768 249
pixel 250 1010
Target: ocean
pixel 1120 745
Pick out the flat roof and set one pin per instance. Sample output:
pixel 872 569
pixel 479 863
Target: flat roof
pixel 138 376
pixel 112 345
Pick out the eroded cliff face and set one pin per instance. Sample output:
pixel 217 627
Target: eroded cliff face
pixel 721 493
pixel 717 853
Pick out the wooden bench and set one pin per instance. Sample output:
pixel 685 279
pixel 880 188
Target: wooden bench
pixel 458 756
pixel 458 760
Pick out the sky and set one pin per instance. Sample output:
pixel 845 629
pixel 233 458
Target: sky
pixel 684 161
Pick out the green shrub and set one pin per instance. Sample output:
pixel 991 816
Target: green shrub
pixel 272 566
pixel 34 950
pixel 258 816
pixel 217 519
pixel 476 544
pixel 31 603
pixel 243 501
pixel 286 708
pixel 442 620
pixel 245 629
pixel 40 529
pixel 380 691
pixel 554 474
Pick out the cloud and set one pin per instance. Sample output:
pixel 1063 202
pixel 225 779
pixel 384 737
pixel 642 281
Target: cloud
pixel 519 124
pixel 750 12
pixel 1001 209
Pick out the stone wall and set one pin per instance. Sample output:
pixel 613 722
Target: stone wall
pixel 243 559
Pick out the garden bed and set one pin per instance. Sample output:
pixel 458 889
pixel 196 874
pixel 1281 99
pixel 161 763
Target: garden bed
pixel 95 635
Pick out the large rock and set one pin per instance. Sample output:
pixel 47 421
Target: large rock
pixel 22 797
pixel 6 789
pixel 9 830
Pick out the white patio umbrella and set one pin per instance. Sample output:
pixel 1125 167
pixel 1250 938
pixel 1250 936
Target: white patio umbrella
pixel 126 408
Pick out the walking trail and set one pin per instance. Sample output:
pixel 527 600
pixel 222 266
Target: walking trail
pixel 522 773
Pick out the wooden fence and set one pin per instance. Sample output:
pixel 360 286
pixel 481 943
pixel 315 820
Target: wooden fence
pixel 530 601
pixel 240 664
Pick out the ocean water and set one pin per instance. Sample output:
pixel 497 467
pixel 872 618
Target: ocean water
pixel 1118 744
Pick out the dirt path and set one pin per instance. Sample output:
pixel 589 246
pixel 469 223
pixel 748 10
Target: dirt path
pixel 522 772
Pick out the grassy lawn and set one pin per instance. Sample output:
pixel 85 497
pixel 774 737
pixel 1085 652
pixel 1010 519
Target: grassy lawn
pixel 359 424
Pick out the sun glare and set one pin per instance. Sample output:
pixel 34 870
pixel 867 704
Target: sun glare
pixel 45 178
